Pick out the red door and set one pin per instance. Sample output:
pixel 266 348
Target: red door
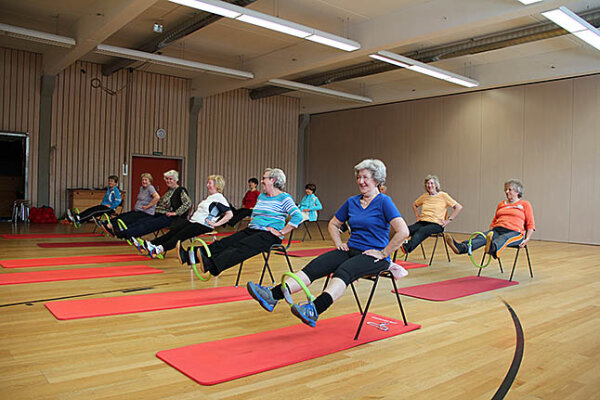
pixel 155 166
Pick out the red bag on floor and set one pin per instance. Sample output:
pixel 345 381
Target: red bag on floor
pixel 42 215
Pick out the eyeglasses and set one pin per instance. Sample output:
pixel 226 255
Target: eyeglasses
pixel 265 177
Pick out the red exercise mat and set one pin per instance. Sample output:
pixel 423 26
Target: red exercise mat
pixel 223 360
pixel 80 244
pixel 47 235
pixel 410 265
pixel 455 288
pixel 73 274
pixel 48 262
pixel 87 308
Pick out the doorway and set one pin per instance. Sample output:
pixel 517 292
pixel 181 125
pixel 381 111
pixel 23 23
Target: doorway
pixel 155 166
pixel 14 153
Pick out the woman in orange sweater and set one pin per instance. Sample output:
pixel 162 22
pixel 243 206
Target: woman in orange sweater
pixel 513 224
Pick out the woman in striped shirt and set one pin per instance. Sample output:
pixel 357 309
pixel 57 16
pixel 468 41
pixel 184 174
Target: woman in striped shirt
pixel 267 227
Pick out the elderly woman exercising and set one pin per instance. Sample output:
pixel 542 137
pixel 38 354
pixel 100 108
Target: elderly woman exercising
pixel 513 224
pixel 367 251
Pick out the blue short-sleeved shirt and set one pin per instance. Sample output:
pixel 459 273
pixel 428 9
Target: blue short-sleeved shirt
pixel 370 227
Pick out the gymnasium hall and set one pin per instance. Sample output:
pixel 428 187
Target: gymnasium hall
pixel 299 199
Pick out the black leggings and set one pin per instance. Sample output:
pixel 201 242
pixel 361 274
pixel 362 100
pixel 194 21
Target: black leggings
pixel 87 214
pixel 180 231
pixel 420 231
pixel 129 217
pixel 346 265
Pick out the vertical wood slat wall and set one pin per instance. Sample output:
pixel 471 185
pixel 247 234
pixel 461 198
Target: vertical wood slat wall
pixel 20 101
pixel 546 134
pixel 92 129
pixel 240 137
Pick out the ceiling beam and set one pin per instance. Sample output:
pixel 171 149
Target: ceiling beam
pixel 106 18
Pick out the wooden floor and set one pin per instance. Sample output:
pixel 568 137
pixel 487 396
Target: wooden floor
pixel 462 351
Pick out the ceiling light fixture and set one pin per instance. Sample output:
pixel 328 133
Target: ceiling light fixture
pixel 417 66
pixel 37 36
pixel 270 22
pixel 573 23
pixel 171 61
pixel 302 87
pixel 526 2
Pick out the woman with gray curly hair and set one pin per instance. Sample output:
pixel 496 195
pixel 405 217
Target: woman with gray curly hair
pixel 433 217
pixel 267 227
pixel 513 224
pixel 367 251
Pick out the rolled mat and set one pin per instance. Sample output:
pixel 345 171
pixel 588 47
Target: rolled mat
pixel 74 274
pixel 455 288
pixel 223 360
pixel 80 244
pixel 47 235
pixel 103 306
pixel 47 262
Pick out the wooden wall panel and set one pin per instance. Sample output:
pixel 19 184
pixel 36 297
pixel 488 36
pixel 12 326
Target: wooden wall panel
pixel 239 137
pixel 20 74
pixel 584 221
pixel 546 134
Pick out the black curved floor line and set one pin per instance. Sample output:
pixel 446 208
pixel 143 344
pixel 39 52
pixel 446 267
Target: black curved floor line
pixel 517 358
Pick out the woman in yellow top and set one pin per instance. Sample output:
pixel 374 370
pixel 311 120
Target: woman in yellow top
pixel 432 218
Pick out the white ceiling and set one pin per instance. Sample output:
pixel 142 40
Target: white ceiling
pixel 401 26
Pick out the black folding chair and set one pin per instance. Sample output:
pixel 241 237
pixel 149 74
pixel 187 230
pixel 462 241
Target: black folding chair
pixel 437 237
pixel 512 272
pixel 307 230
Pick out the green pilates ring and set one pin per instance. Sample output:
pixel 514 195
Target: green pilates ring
pixel 470 251
pixel 286 292
pixel 123 227
pixel 75 223
pixel 200 276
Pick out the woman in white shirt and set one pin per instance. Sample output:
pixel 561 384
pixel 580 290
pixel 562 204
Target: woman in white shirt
pixel 212 212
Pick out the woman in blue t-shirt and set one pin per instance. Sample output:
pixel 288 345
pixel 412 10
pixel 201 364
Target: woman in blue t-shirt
pixel 367 251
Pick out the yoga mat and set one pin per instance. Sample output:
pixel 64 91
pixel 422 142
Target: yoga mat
pixel 48 235
pixel 73 274
pixel 410 265
pixel 223 360
pixel 80 244
pixel 309 252
pixel 455 288
pixel 88 308
pixel 47 262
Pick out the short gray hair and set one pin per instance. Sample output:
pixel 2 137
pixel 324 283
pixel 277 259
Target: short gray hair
pixel 278 177
pixel 172 174
pixel 377 168
pixel 434 179
pixel 516 184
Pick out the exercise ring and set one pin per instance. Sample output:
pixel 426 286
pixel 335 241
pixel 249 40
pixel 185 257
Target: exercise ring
pixel 286 292
pixel 207 275
pixel 470 251
pixel 123 227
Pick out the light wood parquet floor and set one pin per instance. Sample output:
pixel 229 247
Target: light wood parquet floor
pixel 462 351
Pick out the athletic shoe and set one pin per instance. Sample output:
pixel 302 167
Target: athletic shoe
pixel 263 295
pixel 70 216
pixel 488 241
pixel 451 243
pixel 153 251
pixel 306 312
pixel 138 243
pixel 182 253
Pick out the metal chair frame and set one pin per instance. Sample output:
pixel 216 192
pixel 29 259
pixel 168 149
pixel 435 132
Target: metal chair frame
pixel 512 272
pixel 437 237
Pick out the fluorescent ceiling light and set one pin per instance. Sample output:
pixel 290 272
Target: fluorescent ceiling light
pixel 417 66
pixel 211 6
pixel 529 1
pixel 270 22
pixel 319 90
pixel 37 36
pixel 171 61
pixel 573 23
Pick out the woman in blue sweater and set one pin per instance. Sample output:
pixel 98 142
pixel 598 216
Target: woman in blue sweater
pixel 267 227
pixel 368 250
pixel 112 199
pixel 310 204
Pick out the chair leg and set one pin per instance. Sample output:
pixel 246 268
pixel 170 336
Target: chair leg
pixel 398 299
pixel 529 261
pixel 325 284
pixel 434 247
pixel 237 281
pixel 514 264
pixel 356 298
pixel 446 246
pixel 320 231
pixel 395 255
pixel 423 251
pixel 481 263
pixel 266 267
pixel 306 231
pixel 364 315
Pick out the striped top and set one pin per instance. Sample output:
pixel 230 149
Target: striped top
pixel 273 211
